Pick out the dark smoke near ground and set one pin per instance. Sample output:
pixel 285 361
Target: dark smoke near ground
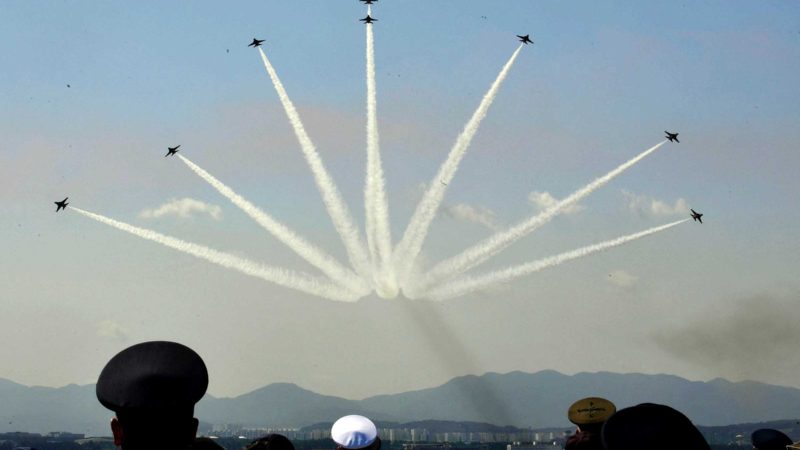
pixel 756 338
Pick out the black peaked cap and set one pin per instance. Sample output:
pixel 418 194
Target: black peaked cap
pixel 769 439
pixel 652 427
pixel 153 376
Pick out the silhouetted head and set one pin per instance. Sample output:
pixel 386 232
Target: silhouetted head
pixel 272 441
pixel 652 427
pixel 153 387
pixel 769 439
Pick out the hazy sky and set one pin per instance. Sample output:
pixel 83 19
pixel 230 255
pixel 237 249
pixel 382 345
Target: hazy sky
pixel 92 93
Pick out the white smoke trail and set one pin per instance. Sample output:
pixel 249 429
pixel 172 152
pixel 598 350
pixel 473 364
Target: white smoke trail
pixel 492 245
pixel 342 220
pixel 314 255
pixel 409 247
pixel 369 209
pixel 288 278
pixel 471 284
pixel 376 204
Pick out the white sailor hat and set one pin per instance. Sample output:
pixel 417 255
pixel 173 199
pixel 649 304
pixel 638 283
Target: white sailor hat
pixel 353 432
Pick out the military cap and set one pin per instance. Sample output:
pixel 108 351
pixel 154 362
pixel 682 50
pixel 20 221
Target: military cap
pixel 653 427
pixel 769 439
pixel 590 410
pixel 352 432
pixel 153 376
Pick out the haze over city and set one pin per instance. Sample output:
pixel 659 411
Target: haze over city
pixel 94 94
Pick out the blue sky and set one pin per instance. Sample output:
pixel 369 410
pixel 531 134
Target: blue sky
pixel 600 84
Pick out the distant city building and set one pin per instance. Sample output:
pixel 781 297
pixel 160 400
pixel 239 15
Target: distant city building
pixel 399 434
pixel 252 433
pixel 417 437
pixel 426 447
pixel 96 440
pixel 64 436
pixel 19 435
pixel 536 446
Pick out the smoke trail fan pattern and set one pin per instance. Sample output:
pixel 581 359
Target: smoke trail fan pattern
pixel 376 266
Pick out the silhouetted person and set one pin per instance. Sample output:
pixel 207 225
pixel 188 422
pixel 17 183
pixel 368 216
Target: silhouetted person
pixel 272 441
pixel 651 427
pixel 153 387
pixel 769 439
pixel 355 432
pixel 589 414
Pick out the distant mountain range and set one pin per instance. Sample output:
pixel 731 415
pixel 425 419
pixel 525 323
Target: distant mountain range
pixel 537 400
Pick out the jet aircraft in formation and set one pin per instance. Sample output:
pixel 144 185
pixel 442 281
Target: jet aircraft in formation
pixel 672 137
pixel 696 216
pixel 525 39
pixel 368 19
pixel 172 150
pixel 256 43
pixel 61 205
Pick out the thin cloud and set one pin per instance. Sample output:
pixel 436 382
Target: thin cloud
pixel 473 214
pixel 112 330
pixel 464 212
pixel 545 200
pixel 621 278
pixel 650 207
pixel 184 208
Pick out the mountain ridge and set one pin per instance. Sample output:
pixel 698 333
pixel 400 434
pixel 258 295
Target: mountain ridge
pixel 516 398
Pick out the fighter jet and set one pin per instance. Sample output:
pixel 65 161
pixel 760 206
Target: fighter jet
pixel 256 43
pixel 368 19
pixel 61 205
pixel 525 39
pixel 368 2
pixel 672 137
pixel 696 216
pixel 172 150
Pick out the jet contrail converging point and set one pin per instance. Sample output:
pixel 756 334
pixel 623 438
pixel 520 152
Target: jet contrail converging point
pixel 376 265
